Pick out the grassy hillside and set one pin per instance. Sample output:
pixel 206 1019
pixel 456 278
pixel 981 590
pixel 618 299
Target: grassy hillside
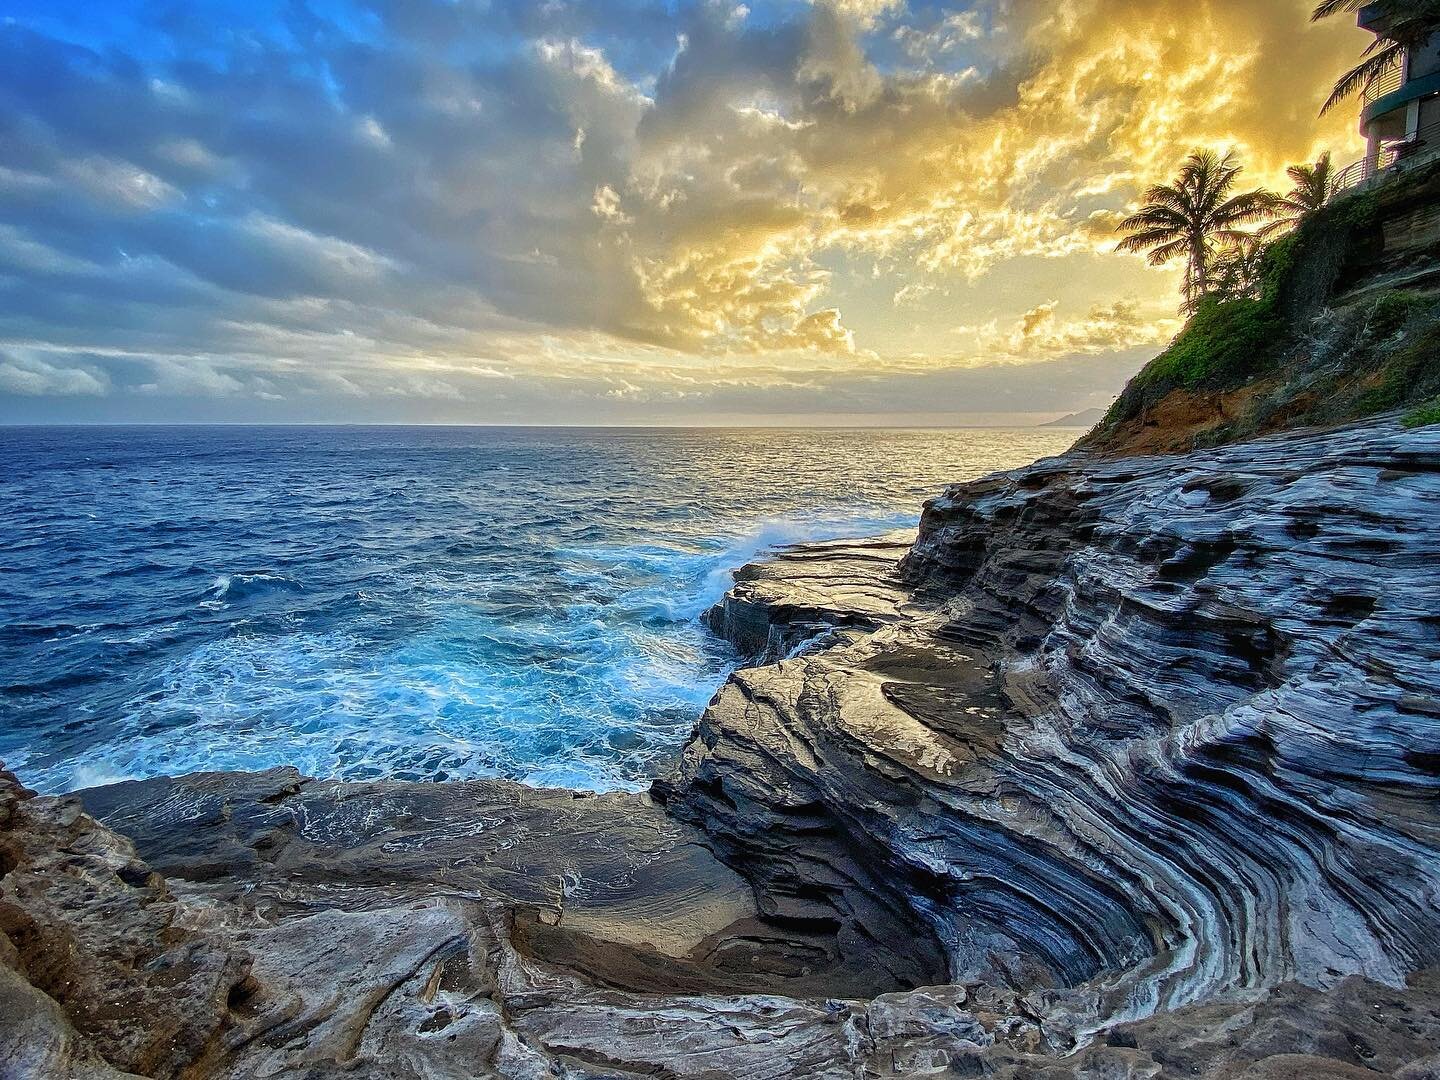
pixel 1346 324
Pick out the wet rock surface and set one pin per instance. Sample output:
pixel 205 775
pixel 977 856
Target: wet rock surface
pixel 1160 735
pixel 608 884
pixel 1124 769
pixel 813 595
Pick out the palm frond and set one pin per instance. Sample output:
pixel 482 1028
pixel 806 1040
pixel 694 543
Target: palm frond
pixel 1193 216
pixel 1142 241
pixel 1166 195
pixel 1281 224
pixel 1168 252
pixel 1361 75
pixel 1236 239
pixel 1154 217
pixel 1242 209
pixel 1327 8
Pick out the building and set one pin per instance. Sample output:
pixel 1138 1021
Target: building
pixel 1400 114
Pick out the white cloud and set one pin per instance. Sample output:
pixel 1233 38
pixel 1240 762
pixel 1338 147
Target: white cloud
pixel 941 39
pixel 189 377
pixel 866 13
pixel 20 253
pixel 1040 333
pixel 30 376
pixel 120 183
pixel 914 294
pixel 334 254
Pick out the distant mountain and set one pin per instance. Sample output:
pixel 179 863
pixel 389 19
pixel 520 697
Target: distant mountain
pixel 1086 418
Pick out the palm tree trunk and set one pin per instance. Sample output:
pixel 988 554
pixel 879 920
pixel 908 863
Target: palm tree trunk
pixel 1198 258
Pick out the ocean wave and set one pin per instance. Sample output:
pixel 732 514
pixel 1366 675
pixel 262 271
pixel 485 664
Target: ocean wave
pixel 778 532
pixel 240 587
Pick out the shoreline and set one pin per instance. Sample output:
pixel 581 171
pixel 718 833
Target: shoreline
pixel 506 613
pixel 979 802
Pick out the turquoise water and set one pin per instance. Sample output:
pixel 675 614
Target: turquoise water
pixel 421 603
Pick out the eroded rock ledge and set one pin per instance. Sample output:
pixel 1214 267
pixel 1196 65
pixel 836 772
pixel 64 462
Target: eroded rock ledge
pixel 1130 767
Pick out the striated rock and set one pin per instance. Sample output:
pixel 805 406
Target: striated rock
pixel 1162 731
pixel 95 934
pixel 812 594
pixel 1355 1028
pixel 606 884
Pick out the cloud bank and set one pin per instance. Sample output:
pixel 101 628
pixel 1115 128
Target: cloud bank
pixel 581 211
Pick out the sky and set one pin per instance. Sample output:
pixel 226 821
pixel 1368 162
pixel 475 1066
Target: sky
pixel 614 211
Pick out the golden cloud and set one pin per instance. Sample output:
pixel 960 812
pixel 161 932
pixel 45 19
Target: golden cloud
pixel 872 189
pixel 753 178
pixel 1039 334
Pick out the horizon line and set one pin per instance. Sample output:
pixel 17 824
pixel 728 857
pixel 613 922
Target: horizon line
pixel 555 426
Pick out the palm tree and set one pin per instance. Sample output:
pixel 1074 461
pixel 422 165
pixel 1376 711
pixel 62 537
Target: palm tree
pixel 1408 24
pixel 1314 185
pixel 1192 217
pixel 1238 268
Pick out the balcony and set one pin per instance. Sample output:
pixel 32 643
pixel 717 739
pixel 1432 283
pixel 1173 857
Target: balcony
pixel 1393 159
pixel 1383 84
pixel 1390 90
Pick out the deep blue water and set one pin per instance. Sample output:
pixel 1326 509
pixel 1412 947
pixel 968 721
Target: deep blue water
pixel 410 602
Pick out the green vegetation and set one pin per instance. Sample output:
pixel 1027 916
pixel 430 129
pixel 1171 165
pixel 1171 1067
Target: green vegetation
pixel 1258 293
pixel 1256 285
pixel 1224 340
pixel 1235 333
pixel 1273 332
pixel 1196 218
pixel 1395 309
pixel 1239 269
pixel 1402 358
pixel 1425 415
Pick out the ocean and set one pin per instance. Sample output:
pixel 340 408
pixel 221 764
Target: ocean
pixel 418 603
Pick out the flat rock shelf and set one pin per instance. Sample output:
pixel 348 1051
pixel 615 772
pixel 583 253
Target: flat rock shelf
pixel 1122 768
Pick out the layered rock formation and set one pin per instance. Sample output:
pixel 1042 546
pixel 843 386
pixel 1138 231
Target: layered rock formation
pixel 814 595
pixel 1165 731
pixel 1126 768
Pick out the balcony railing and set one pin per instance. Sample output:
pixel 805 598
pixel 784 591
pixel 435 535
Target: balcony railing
pixel 1386 81
pixel 1393 158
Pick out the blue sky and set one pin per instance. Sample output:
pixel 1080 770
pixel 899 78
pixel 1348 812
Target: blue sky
pixel 494 211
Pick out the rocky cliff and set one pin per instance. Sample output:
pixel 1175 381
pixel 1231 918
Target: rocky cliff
pixel 1141 732
pixel 1343 323
pixel 1123 768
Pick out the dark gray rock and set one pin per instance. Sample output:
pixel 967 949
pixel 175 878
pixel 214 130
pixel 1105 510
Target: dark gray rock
pixel 1151 731
pixel 811 594
pixel 606 884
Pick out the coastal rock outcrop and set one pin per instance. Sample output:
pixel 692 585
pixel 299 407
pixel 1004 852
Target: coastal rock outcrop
pixel 104 971
pixel 813 595
pixel 1123 769
pixel 606 884
pixel 1152 732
